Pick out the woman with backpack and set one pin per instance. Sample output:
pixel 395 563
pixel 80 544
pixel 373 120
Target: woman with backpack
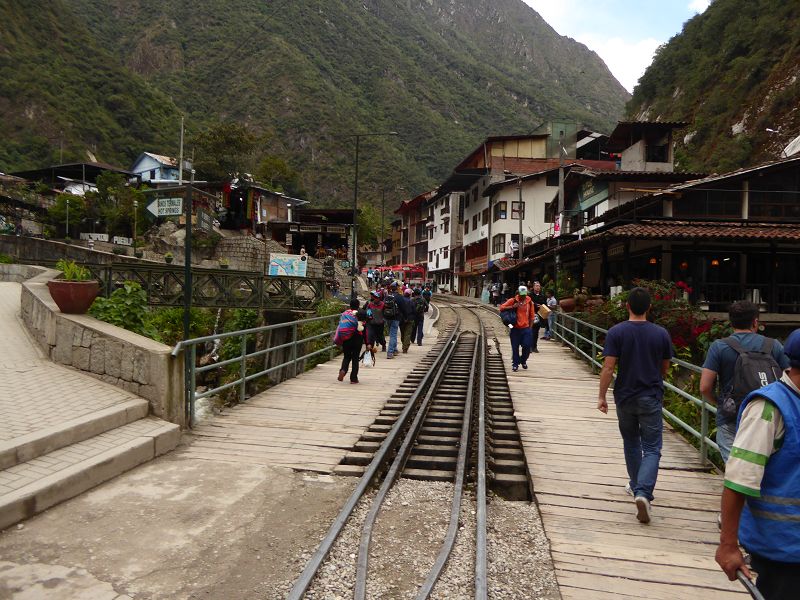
pixel 350 336
pixel 376 322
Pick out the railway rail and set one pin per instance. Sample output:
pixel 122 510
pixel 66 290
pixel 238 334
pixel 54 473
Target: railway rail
pixel 434 428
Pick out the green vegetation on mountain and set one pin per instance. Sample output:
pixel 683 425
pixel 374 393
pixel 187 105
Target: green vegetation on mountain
pixel 304 75
pixel 58 86
pixel 732 73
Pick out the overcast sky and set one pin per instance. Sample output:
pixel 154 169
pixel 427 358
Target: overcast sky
pixel 625 33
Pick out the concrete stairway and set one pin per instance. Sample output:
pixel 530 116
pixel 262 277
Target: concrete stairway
pixel 50 466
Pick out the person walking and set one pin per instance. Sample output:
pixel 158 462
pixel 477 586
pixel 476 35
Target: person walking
pixel 408 321
pixel 427 294
pixel 725 365
pixel 369 278
pixel 350 336
pixel 495 293
pixel 520 333
pixel 552 304
pixel 642 351
pixel 376 322
pixel 392 314
pixel 538 300
pixel 420 307
pixel 504 292
pixel 761 494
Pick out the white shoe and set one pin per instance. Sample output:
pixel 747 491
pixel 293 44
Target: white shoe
pixel 628 489
pixel 642 509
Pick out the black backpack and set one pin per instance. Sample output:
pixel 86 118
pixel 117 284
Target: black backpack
pixel 390 309
pixel 509 317
pixel 753 370
pixel 420 306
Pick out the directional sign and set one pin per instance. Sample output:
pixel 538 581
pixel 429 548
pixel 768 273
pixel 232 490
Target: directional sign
pixel 204 220
pixel 166 207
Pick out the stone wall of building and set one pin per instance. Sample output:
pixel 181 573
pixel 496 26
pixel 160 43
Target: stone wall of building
pixel 122 358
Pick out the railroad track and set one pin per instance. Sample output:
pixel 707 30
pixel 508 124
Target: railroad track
pixel 446 422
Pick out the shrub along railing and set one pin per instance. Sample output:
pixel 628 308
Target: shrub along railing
pixel 584 338
pixel 241 356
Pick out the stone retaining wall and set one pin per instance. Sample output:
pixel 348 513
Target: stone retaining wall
pixel 122 358
pixel 24 248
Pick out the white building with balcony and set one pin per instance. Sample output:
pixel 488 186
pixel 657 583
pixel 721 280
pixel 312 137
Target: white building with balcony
pixel 444 237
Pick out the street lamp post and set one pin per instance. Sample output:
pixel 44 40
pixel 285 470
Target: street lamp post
pixel 67 231
pixel 354 257
pixel 135 210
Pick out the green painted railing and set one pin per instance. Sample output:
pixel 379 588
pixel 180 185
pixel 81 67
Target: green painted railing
pixel 576 333
pixel 192 370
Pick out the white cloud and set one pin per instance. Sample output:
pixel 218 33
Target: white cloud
pixel 699 6
pixel 557 14
pixel 626 59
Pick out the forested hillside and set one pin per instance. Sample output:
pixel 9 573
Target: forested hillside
pixel 732 73
pixel 305 74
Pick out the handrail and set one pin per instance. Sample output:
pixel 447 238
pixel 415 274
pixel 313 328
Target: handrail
pixel 191 370
pixel 566 326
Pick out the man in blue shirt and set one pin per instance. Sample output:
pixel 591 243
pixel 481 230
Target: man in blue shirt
pixel 721 362
pixel 642 351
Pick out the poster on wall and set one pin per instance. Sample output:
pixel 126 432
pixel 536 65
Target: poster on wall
pixel 287 265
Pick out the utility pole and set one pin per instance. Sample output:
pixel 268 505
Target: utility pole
pixel 180 157
pixel 520 214
pixel 383 234
pixel 355 227
pixel 556 257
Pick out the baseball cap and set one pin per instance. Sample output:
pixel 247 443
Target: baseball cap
pixel 523 291
pixel 407 292
pixel 375 293
pixel 792 348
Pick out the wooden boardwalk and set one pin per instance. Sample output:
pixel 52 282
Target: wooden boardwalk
pixel 307 423
pixel 576 463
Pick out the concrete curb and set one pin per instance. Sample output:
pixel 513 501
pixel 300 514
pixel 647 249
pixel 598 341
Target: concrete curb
pixel 82 428
pixel 76 479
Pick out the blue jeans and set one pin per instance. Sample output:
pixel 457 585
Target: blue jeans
pixel 394 328
pixel 725 434
pixel 551 318
pixel 641 427
pixel 418 333
pixel 520 337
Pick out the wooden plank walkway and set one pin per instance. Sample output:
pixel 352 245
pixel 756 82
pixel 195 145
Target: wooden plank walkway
pixel 307 423
pixel 576 463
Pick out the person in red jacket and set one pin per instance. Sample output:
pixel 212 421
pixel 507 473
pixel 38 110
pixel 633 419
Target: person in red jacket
pixel 521 335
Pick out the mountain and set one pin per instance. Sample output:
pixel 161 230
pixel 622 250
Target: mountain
pixel 732 73
pixel 60 89
pixel 306 74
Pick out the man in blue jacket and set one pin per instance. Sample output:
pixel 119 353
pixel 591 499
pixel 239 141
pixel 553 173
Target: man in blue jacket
pixel 761 498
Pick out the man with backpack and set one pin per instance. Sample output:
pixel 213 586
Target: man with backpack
pixel 740 363
pixel 392 315
pixel 376 322
pixel 518 313
pixel 420 308
pixel 427 293
pixel 350 336
pixel 407 319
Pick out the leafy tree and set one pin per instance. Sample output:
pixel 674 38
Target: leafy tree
pixel 113 204
pixel 57 214
pixel 224 151
pixel 276 173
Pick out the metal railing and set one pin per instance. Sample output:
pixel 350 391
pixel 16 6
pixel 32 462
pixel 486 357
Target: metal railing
pixel 192 370
pixel 211 288
pixel 571 332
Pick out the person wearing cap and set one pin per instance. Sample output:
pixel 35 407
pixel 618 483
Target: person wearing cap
pixel 538 300
pixel 408 322
pixel 376 322
pixel 761 497
pixel 520 334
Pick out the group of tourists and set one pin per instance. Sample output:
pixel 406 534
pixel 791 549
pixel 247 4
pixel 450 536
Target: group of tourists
pixel 526 314
pixel 754 381
pixel 395 308
pixel 377 278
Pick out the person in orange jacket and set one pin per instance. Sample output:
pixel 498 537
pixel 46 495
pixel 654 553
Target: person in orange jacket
pixel 521 334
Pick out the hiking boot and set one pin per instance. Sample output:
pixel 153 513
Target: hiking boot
pixel 642 509
pixel 354 381
pixel 515 368
pixel 525 366
pixel 628 489
pixel 389 355
pixel 341 375
pixel 535 350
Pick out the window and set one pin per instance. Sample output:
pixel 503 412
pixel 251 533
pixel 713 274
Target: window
pixel 152 173
pixel 516 209
pixel 430 232
pixel 485 216
pixel 446 227
pixel 499 243
pixel 446 252
pixel 466 226
pixel 430 256
pixel 500 210
pixel 466 201
pixel 475 222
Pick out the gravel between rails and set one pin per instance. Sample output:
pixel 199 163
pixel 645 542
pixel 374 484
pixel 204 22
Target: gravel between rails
pixel 408 535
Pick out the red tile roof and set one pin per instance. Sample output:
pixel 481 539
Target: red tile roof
pixel 708 230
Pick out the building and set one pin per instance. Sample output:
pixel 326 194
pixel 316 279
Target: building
pixel 157 170
pixel 72 178
pixel 444 235
pixel 414 220
pixel 396 255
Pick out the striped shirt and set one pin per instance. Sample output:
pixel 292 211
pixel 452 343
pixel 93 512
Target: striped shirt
pixel 759 436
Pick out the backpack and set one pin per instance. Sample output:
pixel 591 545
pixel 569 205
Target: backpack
pixel 754 369
pixel 420 306
pixel 509 317
pixel 390 309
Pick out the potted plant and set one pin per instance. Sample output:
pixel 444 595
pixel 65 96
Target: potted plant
pixel 224 263
pixel 168 257
pixel 75 291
